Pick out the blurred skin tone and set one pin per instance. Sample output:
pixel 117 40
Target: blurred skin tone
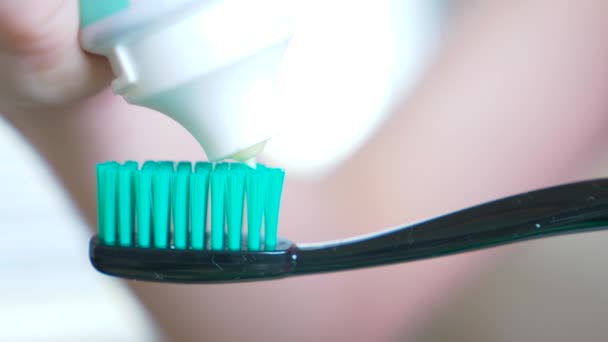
pixel 516 100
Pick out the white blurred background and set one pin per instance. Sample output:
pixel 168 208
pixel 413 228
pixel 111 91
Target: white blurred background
pixel 342 71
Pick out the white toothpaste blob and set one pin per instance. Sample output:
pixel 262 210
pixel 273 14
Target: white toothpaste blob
pixel 248 155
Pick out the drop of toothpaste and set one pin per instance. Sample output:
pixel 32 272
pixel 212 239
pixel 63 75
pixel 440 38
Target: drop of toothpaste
pixel 247 156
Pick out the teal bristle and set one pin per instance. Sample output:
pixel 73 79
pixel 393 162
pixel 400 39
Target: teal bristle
pixel 166 164
pixel 106 201
pixel 100 199
pixel 144 204
pixel 180 202
pixel 161 205
pixel 274 186
pixel 218 208
pixel 165 204
pixel 235 196
pixel 184 166
pixel 110 204
pixel 239 166
pixel 207 166
pixel 255 188
pixel 126 203
pixel 222 166
pixel 199 188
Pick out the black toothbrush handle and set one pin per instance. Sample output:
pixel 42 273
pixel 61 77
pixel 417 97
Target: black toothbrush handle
pixel 552 211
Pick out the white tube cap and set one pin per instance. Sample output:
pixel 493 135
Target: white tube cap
pixel 228 110
pixel 213 69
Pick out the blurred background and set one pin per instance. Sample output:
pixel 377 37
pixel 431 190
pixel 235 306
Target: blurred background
pixel 551 290
pixel 48 290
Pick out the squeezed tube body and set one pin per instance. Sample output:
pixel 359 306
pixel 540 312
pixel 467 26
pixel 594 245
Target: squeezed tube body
pixel 210 65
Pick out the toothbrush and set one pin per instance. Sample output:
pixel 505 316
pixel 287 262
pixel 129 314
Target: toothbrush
pixel 198 256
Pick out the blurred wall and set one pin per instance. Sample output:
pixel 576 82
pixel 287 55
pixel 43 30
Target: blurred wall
pixel 550 290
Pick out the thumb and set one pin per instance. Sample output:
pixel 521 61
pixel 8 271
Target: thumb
pixel 25 24
pixel 42 57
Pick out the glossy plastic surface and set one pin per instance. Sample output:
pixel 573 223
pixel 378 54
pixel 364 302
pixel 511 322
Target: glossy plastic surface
pixel 192 266
pixel 554 211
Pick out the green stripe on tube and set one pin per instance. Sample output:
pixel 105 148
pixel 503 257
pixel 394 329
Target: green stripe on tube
pixel 218 189
pixel 274 185
pixel 236 197
pixel 92 11
pixel 199 188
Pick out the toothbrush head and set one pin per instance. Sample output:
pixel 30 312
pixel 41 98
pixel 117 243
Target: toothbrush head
pixel 162 207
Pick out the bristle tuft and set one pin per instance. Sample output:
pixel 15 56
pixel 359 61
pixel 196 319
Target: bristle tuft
pixel 256 188
pixel 161 204
pixel 234 207
pixel 126 203
pixel 199 189
pixel 218 205
pixel 143 203
pixel 165 204
pixel 274 179
pixel 180 202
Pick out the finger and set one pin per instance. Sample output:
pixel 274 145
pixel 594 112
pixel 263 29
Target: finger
pixel 25 24
pixel 48 66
